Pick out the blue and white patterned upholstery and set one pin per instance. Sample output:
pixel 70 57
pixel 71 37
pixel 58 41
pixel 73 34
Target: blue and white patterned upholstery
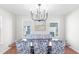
pixel 23 47
pixel 40 46
pixel 58 46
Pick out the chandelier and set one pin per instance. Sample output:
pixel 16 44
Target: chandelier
pixel 39 14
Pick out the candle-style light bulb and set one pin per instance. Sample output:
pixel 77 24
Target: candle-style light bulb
pixel 31 44
pixel 50 43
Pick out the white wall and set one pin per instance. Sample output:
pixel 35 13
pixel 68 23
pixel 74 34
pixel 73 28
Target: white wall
pixel 26 20
pixel 7 29
pixel 19 27
pixel 72 30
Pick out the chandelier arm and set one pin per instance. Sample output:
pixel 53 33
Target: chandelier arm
pixel 31 14
pixel 46 16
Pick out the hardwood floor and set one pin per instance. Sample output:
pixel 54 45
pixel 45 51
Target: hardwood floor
pixel 67 51
pixel 11 51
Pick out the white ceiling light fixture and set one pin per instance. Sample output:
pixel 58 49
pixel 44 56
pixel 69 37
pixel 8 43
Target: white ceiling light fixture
pixel 39 14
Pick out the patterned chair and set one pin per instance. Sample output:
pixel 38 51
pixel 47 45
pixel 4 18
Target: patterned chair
pixel 58 46
pixel 40 46
pixel 22 47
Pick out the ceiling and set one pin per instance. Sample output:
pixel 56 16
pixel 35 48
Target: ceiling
pixel 53 9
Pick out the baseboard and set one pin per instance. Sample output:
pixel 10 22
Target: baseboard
pixel 4 50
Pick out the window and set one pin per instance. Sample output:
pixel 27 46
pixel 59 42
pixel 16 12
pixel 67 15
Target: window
pixel 54 29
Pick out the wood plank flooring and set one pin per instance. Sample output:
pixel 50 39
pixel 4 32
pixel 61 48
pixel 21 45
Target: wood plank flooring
pixel 67 51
